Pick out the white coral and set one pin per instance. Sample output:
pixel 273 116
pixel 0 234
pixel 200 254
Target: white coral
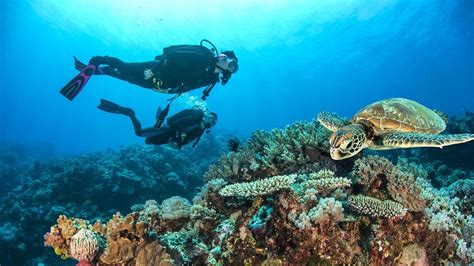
pixel 259 187
pixel 85 245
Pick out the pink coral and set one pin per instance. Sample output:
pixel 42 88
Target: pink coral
pixel 85 246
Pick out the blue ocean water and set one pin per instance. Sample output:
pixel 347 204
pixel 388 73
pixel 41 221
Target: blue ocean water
pixel 296 58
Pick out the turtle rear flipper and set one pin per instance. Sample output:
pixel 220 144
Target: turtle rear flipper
pixel 331 121
pixel 418 140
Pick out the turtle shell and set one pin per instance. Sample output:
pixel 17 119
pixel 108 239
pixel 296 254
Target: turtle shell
pixel 400 115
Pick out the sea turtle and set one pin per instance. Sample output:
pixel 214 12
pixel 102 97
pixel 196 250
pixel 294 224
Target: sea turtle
pixel 388 124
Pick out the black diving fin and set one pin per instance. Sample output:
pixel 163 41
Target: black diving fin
pixel 161 115
pixel 111 107
pixel 158 113
pixel 74 87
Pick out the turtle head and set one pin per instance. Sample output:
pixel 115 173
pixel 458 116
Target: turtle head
pixel 347 141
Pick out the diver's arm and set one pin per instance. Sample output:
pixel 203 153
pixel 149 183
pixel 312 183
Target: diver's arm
pixel 198 138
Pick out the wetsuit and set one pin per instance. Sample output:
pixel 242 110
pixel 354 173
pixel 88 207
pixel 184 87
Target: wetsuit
pixel 180 68
pixel 181 128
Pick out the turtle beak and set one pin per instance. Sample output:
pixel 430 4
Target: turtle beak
pixel 337 154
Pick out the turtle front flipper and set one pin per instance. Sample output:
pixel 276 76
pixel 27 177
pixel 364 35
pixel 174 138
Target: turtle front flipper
pixel 418 140
pixel 331 121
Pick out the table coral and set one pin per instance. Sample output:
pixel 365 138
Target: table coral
pixel 259 187
pixel 376 208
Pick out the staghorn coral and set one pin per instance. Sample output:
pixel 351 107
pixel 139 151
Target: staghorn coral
pixel 376 208
pixel 259 187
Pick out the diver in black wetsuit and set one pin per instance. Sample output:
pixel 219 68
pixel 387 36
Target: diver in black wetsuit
pixel 181 68
pixel 180 128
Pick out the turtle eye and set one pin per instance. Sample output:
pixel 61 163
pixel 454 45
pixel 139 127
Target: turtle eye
pixel 347 145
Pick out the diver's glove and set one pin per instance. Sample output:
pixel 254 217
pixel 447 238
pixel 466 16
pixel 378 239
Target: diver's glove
pixel 148 74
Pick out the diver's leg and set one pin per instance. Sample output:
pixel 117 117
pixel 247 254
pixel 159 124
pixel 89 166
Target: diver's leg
pixel 142 132
pixel 130 72
pixel 106 60
pixel 114 108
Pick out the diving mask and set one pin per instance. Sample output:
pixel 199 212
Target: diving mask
pixel 232 64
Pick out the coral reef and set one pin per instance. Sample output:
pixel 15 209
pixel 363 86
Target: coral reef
pixel 127 240
pixel 95 186
pixel 300 147
pixel 279 199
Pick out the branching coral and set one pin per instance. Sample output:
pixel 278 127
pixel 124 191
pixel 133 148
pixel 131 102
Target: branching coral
pixel 376 208
pixel 259 187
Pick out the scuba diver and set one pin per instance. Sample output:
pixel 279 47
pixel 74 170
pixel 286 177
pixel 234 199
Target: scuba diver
pixel 181 68
pixel 180 129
